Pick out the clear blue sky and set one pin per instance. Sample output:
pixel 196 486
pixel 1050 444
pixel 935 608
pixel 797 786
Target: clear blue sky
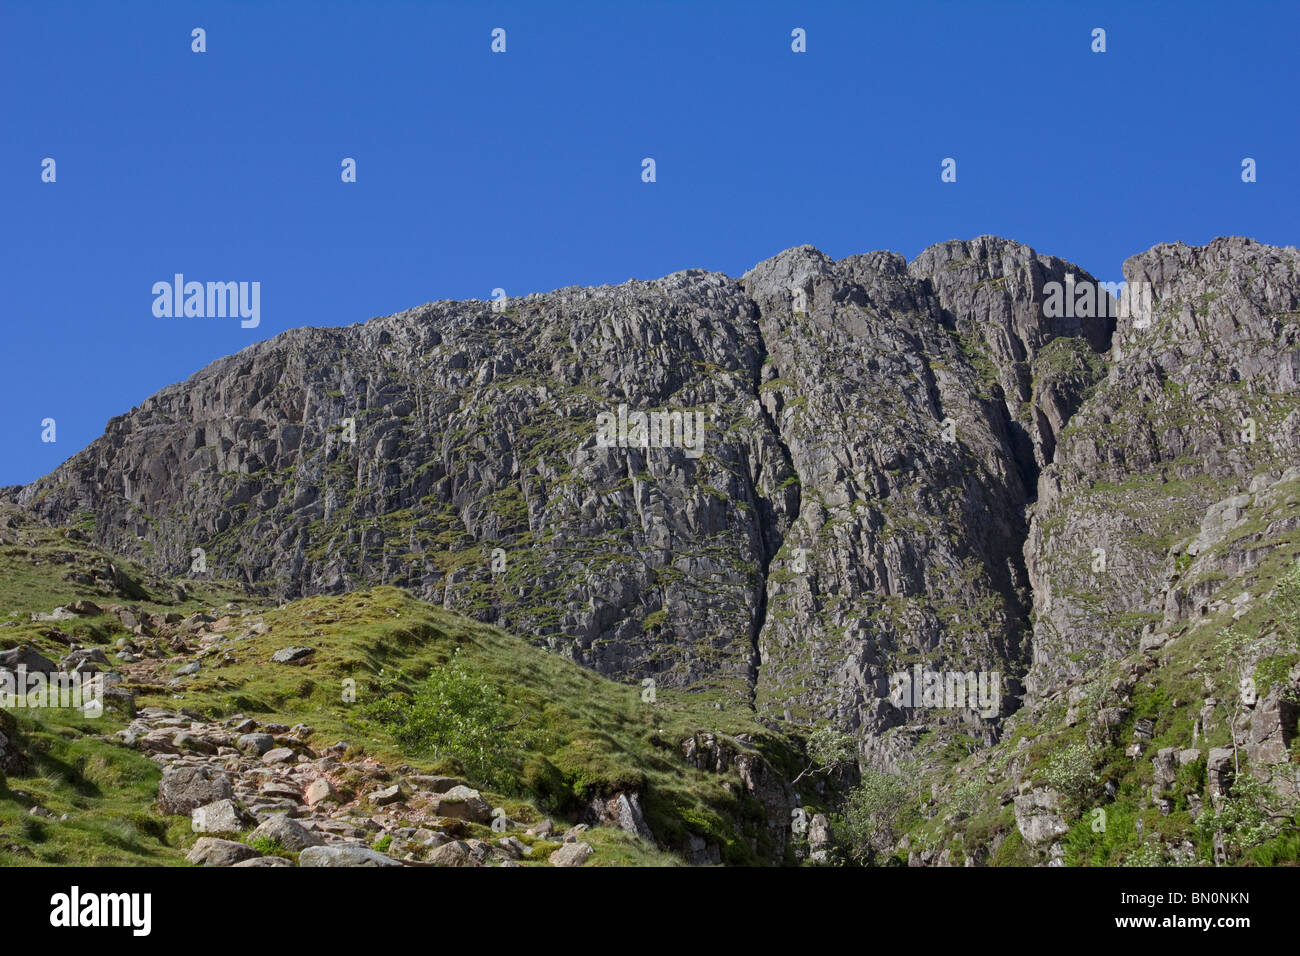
pixel 523 170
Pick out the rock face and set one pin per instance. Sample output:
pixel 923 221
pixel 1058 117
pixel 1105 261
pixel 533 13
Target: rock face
pixel 622 810
pixel 1193 434
pixel 899 462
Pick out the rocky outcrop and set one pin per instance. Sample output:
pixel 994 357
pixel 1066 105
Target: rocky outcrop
pixel 1195 430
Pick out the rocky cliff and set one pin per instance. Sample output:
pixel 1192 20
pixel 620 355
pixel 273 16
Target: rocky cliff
pixel 902 464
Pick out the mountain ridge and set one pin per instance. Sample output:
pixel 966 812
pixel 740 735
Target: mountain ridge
pixel 474 431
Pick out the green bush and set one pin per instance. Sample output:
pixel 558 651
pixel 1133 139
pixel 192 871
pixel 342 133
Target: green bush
pixel 873 816
pixel 1247 818
pixel 1287 600
pixel 1069 772
pixel 455 714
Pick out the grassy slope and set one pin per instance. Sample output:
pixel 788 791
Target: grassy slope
pixel 588 735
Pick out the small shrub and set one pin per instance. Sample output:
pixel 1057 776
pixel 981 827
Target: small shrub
pixel 455 714
pixel 1069 772
pixel 874 814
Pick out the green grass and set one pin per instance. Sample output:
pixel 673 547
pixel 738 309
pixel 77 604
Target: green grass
pixel 585 735
pixel 106 790
pixel 590 736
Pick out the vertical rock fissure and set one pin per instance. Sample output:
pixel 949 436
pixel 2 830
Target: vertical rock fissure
pixel 771 534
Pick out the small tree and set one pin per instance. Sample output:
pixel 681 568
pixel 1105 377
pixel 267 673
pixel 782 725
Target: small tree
pixel 828 750
pixel 1069 772
pixel 1287 601
pixel 454 714
pixel 1250 814
pixel 873 816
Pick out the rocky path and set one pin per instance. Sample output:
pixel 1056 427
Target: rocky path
pixel 262 794
pixel 266 794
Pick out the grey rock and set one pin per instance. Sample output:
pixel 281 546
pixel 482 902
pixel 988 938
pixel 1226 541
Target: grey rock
pixel 28 658
pixel 388 795
pixel 222 816
pixel 266 861
pixel 1038 817
pixel 290 834
pixel 259 744
pixel 515 847
pixel 455 853
pixel 183 789
pixel 622 810
pixel 435 784
pixel 212 851
pixel 462 803
pixel 829 387
pixel 186 741
pixel 571 854
pixel 344 856
pixel 319 791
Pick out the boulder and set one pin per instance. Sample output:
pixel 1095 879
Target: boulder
pixel 344 856
pixel 1037 816
pixel 259 744
pixel 187 741
pixel 222 816
pixel 319 791
pixel 456 853
pixel 388 795
pixel 571 854
pixel 211 851
pixel 288 833
pixel 266 861
pixel 515 847
pixel 184 789
pixel 464 804
pixel 77 658
pixel 28 658
pixel 434 784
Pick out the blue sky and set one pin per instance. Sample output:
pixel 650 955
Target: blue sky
pixel 522 170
